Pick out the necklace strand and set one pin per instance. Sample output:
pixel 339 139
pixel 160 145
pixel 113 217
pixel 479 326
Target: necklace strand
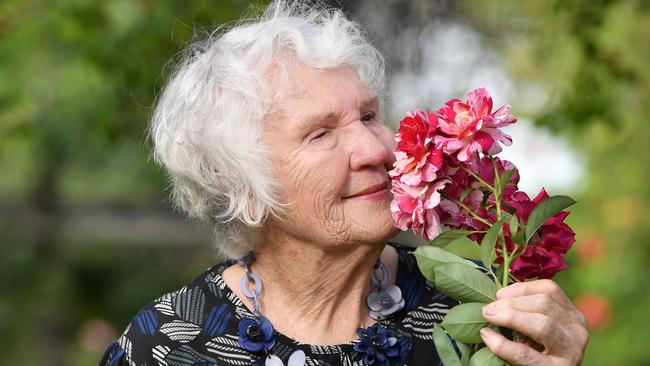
pixel 377 342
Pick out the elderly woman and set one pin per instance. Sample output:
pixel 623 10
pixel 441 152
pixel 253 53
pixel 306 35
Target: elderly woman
pixel 272 132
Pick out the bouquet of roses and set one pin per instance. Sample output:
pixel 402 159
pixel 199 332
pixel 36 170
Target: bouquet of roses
pixel 447 175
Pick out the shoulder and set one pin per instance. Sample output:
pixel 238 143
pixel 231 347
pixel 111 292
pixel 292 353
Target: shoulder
pixel 177 324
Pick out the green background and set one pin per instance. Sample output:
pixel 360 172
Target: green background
pixel 87 234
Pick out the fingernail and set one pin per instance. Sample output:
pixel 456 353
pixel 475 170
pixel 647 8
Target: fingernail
pixel 489 310
pixel 503 292
pixel 486 334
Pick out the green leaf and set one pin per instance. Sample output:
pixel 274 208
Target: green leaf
pixel 513 223
pixel 428 258
pixel 485 357
pixel 488 243
pixel 445 238
pixel 465 352
pixel 464 283
pixel 499 273
pixel 464 322
pixel 445 349
pixel 504 179
pixel 544 211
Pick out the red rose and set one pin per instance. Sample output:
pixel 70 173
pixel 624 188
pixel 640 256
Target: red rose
pixel 544 255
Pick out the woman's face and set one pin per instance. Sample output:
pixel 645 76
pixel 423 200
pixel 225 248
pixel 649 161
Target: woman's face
pixel 328 146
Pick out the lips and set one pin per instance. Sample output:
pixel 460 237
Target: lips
pixel 372 189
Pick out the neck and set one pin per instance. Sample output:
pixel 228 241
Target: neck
pixel 314 295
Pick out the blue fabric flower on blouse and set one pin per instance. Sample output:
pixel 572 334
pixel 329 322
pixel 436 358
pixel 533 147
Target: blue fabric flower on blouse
pixel 380 346
pixel 256 334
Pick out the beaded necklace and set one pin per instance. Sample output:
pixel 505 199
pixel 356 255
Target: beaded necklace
pixel 378 344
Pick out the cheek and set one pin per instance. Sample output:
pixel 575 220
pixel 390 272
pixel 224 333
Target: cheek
pixel 314 184
pixel 314 189
pixel 387 136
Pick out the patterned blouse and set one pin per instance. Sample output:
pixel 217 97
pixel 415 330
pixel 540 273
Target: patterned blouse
pixel 198 325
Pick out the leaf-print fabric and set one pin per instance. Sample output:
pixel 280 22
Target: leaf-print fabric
pixel 197 325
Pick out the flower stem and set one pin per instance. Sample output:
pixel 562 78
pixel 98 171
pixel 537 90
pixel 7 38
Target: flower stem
pixel 475 216
pixel 478 178
pixel 497 200
pixel 497 190
pixel 506 265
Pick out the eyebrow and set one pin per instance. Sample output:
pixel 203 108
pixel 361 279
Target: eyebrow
pixel 324 117
pixel 316 119
pixel 371 101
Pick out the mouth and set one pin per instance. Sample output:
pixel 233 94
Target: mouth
pixel 373 190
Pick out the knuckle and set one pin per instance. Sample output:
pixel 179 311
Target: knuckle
pixel 507 315
pixel 546 325
pixel 497 345
pixel 524 356
pixel 551 286
pixel 574 359
pixel 582 320
pixel 518 285
pixel 504 304
pixel 546 301
pixel 583 336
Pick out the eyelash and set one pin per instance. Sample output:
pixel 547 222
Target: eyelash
pixel 366 118
pixel 319 135
pixel 372 117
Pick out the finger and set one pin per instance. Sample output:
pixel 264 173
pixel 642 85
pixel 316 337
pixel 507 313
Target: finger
pixel 535 287
pixel 570 319
pixel 547 288
pixel 539 327
pixel 513 352
pixel 522 338
pixel 538 303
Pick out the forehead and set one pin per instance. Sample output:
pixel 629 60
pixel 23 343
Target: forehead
pixel 304 96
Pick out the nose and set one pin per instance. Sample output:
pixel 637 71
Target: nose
pixel 372 147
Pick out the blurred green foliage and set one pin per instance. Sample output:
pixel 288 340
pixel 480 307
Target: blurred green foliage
pixel 78 79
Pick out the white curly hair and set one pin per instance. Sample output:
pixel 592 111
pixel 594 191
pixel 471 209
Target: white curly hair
pixel 207 124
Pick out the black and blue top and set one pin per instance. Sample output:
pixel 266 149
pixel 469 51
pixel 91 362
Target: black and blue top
pixel 198 325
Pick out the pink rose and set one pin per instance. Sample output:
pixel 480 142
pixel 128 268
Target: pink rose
pixel 413 207
pixel 478 198
pixel 461 182
pixel 418 159
pixel 470 128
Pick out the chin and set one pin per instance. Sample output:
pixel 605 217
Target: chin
pixel 372 224
pixel 381 230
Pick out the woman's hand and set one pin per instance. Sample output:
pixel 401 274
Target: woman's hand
pixel 539 310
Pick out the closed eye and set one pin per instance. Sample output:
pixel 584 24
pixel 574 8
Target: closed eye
pixel 319 135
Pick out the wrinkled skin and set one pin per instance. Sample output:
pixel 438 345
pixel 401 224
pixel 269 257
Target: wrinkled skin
pixel 554 331
pixel 326 142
